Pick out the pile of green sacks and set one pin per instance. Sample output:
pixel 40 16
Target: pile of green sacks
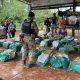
pixel 60 62
pixel 72 46
pixel 1 42
pixel 55 61
pixel 6 45
pixel 7 55
pixel 16 46
pixel 43 59
pixel 48 41
pixel 74 66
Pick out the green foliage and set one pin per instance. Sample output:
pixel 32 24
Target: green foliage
pixel 19 11
pixel 13 8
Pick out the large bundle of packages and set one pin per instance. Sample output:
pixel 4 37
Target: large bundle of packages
pixel 55 44
pixel 67 49
pixel 59 61
pixel 38 53
pixel 43 59
pixel 1 42
pixel 57 38
pixel 16 46
pixel 63 50
pixel 6 44
pixel 75 65
pixel 7 55
pixel 46 42
pixel 67 40
pixel 72 46
pixel 77 48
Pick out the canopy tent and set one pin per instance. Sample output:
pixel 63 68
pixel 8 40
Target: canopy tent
pixel 50 4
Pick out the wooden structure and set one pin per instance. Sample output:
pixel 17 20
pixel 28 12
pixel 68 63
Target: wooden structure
pixel 52 4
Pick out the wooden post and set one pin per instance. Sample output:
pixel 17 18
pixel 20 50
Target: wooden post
pixel 29 7
pixel 73 29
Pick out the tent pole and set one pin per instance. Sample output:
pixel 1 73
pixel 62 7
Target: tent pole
pixel 29 7
pixel 73 29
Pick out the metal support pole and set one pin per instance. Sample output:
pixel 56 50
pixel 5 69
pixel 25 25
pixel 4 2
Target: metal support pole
pixel 29 7
pixel 73 29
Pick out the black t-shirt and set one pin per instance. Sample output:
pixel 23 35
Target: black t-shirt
pixel 54 20
pixel 47 23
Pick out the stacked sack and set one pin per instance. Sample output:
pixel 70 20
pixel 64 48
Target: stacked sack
pixel 60 61
pixel 7 55
pixel 75 65
pixel 44 58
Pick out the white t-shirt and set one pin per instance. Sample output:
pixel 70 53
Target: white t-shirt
pixel 72 20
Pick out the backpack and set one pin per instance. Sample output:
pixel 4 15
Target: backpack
pixel 26 28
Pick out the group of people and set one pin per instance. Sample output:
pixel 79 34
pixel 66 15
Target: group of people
pixel 52 23
pixel 10 27
pixel 29 31
pixel 58 25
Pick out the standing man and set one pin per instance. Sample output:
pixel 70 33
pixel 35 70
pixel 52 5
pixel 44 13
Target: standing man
pixel 12 29
pixel 61 25
pixel 47 24
pixel 29 27
pixel 54 22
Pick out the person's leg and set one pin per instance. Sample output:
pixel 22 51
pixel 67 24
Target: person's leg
pixel 9 34
pixel 13 33
pixel 56 29
pixel 59 31
pixel 24 55
pixel 31 61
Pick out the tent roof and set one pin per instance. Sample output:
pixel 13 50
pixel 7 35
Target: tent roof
pixel 50 4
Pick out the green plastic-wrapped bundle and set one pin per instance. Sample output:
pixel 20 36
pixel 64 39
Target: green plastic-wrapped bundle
pixel 55 62
pixel 46 42
pixel 38 53
pixel 57 38
pixel 65 62
pixel 6 45
pixel 63 50
pixel 74 66
pixel 66 40
pixel 43 59
pixel 17 47
pixel 7 55
pixel 59 62
pixel 1 42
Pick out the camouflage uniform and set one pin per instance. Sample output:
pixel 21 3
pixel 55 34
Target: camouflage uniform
pixel 28 44
pixel 32 48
